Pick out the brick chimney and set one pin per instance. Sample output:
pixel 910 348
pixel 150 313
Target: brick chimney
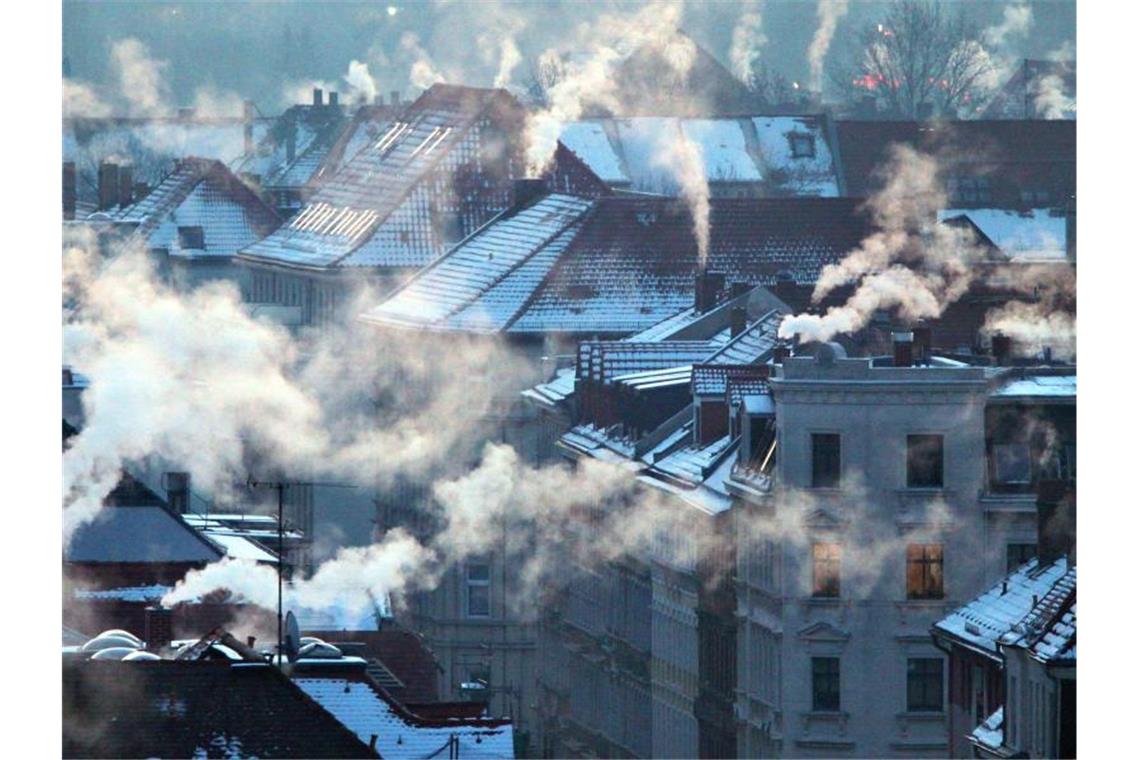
pixel 922 345
pixel 108 185
pixel 781 351
pixel 126 185
pixel 1002 349
pixel 785 288
pixel 1056 521
pixel 334 98
pixel 69 189
pixel 395 96
pixel 177 491
pixel 158 625
pixel 318 96
pixel 737 320
pixel 903 343
pixel 708 285
pixel 378 99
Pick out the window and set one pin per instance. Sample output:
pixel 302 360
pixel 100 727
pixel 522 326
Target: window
pixel 924 571
pixel 924 684
pixel 825 570
pixel 1011 463
pixel 825 684
pixel 1017 555
pixel 803 145
pixel 478 589
pixel 924 461
pixel 191 237
pixel 824 460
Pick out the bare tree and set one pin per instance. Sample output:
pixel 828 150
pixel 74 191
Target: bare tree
pixel 920 57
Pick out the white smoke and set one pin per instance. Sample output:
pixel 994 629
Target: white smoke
pixel 1017 20
pixel 423 72
pixel 747 40
pixel 1049 98
pixel 361 85
pixel 829 12
pixel 683 158
pixel 141 82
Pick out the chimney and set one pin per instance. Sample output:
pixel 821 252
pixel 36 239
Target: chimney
pixel 247 125
pixel 318 96
pixel 525 190
pixel 69 189
pixel 178 491
pixel 395 96
pixel 1056 521
pixel 781 351
pixel 334 98
pixel 708 285
pixel 922 345
pixel 140 191
pixel 737 289
pixel 378 99
pixel 250 641
pixel 1002 348
pixel 108 185
pixel 158 628
pixel 785 288
pixel 904 348
pixel 737 320
pixel 125 186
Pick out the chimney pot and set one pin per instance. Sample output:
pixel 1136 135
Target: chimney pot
pixel 1002 348
pixel 904 348
pixel 250 641
pixel 318 96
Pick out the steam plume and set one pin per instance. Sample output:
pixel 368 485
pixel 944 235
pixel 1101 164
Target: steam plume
pixel 828 12
pixel 360 82
pixel 747 39
pixel 683 158
pixel 1017 19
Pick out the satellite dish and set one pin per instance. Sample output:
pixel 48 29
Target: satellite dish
pixel 292 636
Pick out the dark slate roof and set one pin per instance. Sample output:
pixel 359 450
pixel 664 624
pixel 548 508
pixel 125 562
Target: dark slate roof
pixel 315 130
pixel 627 264
pixel 605 360
pixel 179 709
pixel 339 225
pixel 755 344
pixel 136 534
pixel 200 192
pixel 1036 148
pixel 713 379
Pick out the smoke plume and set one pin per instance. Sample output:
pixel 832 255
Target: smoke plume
pixel 1017 19
pixel 747 39
pixel 423 72
pixel 683 158
pixel 829 12
pixel 361 86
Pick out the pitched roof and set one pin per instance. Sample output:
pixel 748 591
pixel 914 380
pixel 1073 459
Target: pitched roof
pixel 1026 235
pixel 984 622
pixel 202 193
pixel 149 534
pixel 711 380
pixel 314 130
pixel 366 711
pixel 339 224
pixel 169 708
pixel 1019 97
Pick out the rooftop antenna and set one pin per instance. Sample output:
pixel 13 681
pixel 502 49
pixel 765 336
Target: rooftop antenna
pixel 279 486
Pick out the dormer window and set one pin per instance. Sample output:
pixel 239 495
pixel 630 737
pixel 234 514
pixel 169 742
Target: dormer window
pixel 803 145
pixel 192 237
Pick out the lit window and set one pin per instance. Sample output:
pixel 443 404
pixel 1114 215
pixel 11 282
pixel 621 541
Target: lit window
pixel 478 589
pixel 924 684
pixel 825 570
pixel 825 684
pixel 924 571
pixel 924 461
pixel 824 460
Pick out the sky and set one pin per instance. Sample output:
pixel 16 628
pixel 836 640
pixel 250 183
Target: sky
pixel 272 52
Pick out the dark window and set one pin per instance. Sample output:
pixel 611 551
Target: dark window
pixel 924 461
pixel 825 684
pixel 803 145
pixel 824 460
pixel 478 589
pixel 1011 463
pixel 1017 555
pixel 924 684
pixel 924 571
pixel 191 237
pixel 825 570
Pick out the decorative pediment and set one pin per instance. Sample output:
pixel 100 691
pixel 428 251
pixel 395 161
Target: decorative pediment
pixel 822 519
pixel 823 632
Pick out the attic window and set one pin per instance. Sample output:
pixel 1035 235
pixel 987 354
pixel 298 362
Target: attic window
pixel 802 144
pixel 192 237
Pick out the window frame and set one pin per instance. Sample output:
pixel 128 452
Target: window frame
pixel 470 583
pixel 831 562
pixel 194 233
pixel 801 144
pixel 826 684
pixel 931 585
pixel 918 686
pixel 817 479
pixel 912 476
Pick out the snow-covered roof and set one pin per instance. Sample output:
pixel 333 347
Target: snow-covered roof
pixel 367 713
pixel 200 193
pixel 554 391
pixel 990 733
pixel 340 225
pixel 1058 387
pixel 126 593
pixel 1032 235
pixel 1014 602
pixel 789 154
